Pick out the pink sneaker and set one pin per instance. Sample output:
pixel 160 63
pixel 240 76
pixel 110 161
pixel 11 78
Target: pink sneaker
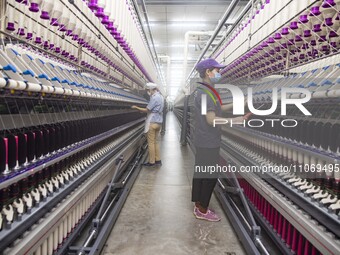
pixel 209 216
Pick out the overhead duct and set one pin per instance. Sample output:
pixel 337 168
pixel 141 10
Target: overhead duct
pixel 186 44
pixel 168 64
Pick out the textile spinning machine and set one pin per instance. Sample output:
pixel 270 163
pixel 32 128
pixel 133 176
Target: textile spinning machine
pixel 281 46
pixel 70 145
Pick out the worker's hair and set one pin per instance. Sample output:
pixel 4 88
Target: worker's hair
pixel 202 73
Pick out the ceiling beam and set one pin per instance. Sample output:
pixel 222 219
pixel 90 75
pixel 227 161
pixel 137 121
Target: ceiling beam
pixel 191 2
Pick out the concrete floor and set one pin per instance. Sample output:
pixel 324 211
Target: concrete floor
pixel 157 217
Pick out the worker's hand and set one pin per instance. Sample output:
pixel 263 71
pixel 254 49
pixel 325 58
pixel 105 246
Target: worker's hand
pixel 238 120
pixel 247 116
pixel 241 119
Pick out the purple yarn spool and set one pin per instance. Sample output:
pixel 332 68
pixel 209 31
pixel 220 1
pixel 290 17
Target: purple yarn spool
pixel 38 40
pixel 110 26
pixel 304 18
pixel 264 45
pixel 10 26
pixel 328 3
pixel 317 28
pixel 46 45
pixel 34 7
pixel 329 22
pixel 307 33
pixel 315 11
pixel 57 50
pixel 93 4
pixel 21 31
pixel 100 12
pixel 293 25
pixel 62 28
pixel 54 22
pixel 277 36
pixel 333 44
pixel 105 20
pixel 332 34
pixel 322 38
pixel 305 46
pixel 325 48
pixel 45 15
pixel 285 31
pixel 29 36
pixel 291 42
pixel 298 38
pixel 271 40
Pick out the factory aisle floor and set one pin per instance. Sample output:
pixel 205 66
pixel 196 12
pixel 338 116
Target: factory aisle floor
pixel 157 217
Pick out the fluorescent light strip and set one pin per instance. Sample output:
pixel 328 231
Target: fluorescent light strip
pixel 187 24
pixel 173 46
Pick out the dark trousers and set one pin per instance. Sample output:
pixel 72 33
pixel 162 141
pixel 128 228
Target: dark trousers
pixel 203 184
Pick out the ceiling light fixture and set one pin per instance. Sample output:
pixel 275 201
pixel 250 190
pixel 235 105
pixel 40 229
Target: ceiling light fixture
pixel 184 24
pixel 172 45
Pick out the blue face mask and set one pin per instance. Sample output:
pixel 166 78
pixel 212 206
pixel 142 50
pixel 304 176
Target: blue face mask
pixel 216 79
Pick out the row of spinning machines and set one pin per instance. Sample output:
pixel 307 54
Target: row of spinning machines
pixel 307 176
pixel 70 144
pixel 51 146
pixel 292 181
pixel 286 200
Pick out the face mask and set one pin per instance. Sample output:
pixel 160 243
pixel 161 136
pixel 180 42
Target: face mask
pixel 216 78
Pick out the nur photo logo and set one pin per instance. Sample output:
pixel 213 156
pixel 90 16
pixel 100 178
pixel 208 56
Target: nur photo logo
pixel 239 103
